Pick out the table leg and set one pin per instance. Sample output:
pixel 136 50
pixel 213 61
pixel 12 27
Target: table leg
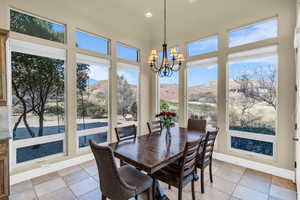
pixel 159 192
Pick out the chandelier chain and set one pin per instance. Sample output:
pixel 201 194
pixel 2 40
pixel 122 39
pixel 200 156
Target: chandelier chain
pixel 165 21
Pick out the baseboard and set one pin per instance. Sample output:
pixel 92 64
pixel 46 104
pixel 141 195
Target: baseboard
pixel 46 169
pixel 276 171
pixel 20 177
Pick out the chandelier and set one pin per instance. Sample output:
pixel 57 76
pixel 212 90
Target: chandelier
pixel 165 67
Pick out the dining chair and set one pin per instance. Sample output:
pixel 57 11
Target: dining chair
pixel 126 132
pixel 119 183
pixel 197 124
pixel 181 173
pixel 204 158
pixel 154 126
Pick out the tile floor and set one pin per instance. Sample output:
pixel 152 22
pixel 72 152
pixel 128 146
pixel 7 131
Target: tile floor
pixel 230 183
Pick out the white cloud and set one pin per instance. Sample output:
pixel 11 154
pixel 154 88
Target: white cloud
pixel 98 73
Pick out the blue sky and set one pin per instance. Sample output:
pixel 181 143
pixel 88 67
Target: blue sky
pixel 97 73
pixel 127 53
pixel 253 33
pixel 92 43
pixel 203 46
pixel 200 75
pixel 58 28
pixel 130 76
pixel 237 68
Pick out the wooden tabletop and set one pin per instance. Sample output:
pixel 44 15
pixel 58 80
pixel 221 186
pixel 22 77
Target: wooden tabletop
pixel 152 152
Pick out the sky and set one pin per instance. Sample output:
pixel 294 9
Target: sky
pixel 130 76
pixel 196 76
pixel 253 33
pixel 97 73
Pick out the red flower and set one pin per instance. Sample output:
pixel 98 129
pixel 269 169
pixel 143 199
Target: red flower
pixel 167 114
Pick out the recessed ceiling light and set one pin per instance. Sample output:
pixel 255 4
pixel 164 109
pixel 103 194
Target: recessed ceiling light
pixel 148 14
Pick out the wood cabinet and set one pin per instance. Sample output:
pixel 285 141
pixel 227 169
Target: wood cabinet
pixel 3 85
pixel 4 170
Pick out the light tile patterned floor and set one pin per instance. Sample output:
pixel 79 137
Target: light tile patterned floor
pixel 230 183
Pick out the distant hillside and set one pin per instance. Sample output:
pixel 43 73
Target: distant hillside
pixel 98 87
pixel 102 87
pixel 170 93
pixel 208 91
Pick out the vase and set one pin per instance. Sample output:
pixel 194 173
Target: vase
pixel 168 130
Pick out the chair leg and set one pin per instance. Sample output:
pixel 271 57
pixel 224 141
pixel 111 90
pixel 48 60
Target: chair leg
pixel 103 197
pixel 170 187
pixel 193 190
pixel 202 181
pixel 180 193
pixel 210 172
pixel 149 194
pixel 154 189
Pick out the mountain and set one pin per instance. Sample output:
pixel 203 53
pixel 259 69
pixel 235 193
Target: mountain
pixel 170 93
pixel 92 81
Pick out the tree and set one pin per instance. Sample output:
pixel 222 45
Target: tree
pixel 133 110
pixel 164 106
pixel 259 85
pixel 34 26
pixel 35 81
pixel 82 77
pixel 126 96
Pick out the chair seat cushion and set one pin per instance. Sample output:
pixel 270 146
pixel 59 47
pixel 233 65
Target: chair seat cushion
pixel 135 178
pixel 171 175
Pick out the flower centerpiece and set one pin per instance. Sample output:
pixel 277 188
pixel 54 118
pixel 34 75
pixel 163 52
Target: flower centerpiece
pixel 167 119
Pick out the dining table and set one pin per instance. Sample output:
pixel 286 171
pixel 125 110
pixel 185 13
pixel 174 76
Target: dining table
pixel 151 152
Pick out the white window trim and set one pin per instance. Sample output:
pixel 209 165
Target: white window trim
pixel 203 62
pixel 38 50
pixel 134 68
pixel 101 62
pixel 130 67
pixel 246 55
pixel 91 60
pixel 201 40
pixel 198 64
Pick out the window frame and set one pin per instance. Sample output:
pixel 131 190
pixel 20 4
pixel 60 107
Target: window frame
pixel 199 40
pixel 41 18
pixel 136 68
pixel 251 24
pixel 205 62
pixel 252 135
pixel 157 82
pixel 25 47
pixel 91 60
pixel 124 60
pixel 97 36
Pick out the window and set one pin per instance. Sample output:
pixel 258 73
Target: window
pixel 127 94
pixel 92 43
pixel 253 33
pixel 202 90
pixel 207 45
pixel 169 93
pixel 252 99
pixel 92 99
pixel 37 27
pixel 38 109
pixel 127 53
